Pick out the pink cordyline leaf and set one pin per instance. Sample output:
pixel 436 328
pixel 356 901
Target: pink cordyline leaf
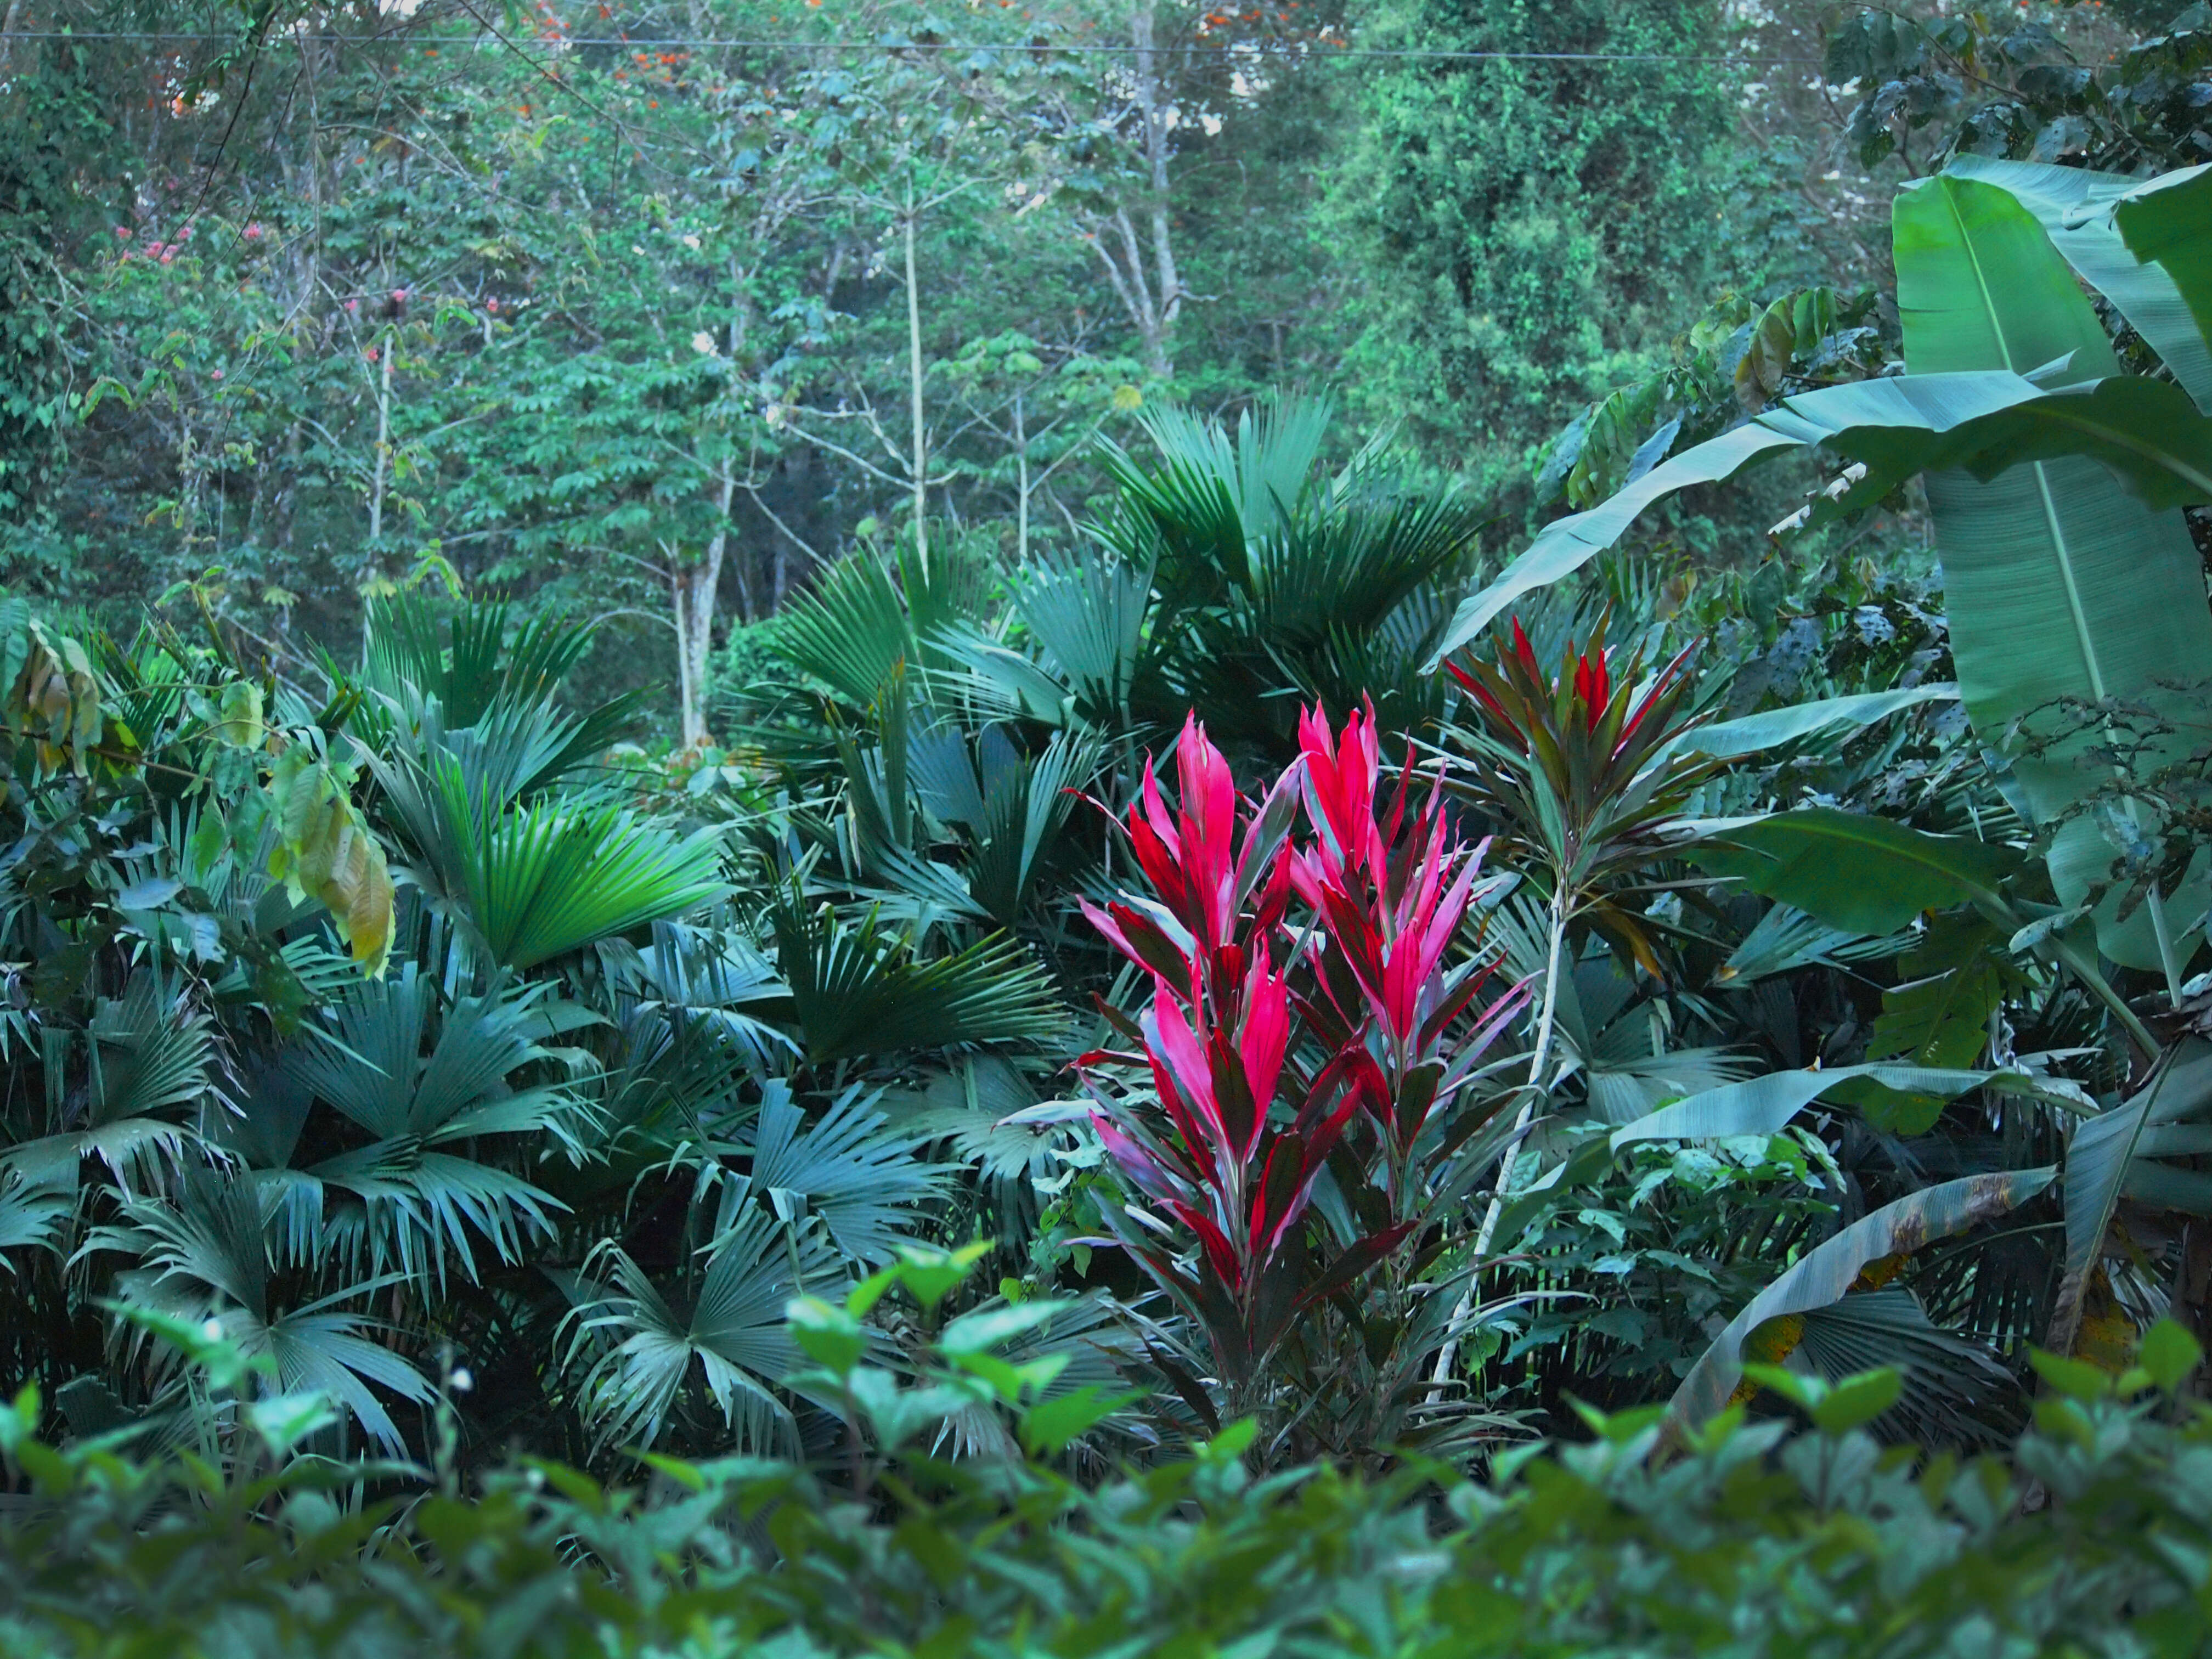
pixel 1265 1039
pixel 1208 826
pixel 1133 1161
pixel 1340 778
pixel 1179 1064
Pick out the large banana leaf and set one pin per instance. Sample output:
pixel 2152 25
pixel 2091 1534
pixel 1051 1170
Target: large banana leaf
pixel 1851 869
pixel 1766 1106
pixel 2169 220
pixel 2075 206
pixel 2116 1155
pixel 1985 422
pixel 2058 582
pixel 1823 1274
pixel 1773 727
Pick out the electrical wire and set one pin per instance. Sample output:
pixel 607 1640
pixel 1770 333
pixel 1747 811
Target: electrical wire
pixel 1305 53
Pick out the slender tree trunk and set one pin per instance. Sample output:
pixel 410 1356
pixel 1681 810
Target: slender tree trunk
pixel 687 703
pixel 381 475
pixel 7 28
pixel 920 464
pixel 1021 486
pixel 1158 141
pixel 695 586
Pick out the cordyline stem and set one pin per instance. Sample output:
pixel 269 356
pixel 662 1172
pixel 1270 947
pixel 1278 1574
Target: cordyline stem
pixel 1533 1094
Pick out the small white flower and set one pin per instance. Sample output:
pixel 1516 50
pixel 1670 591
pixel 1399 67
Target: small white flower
pixel 212 1330
pixel 460 1382
pixel 691 242
pixel 703 344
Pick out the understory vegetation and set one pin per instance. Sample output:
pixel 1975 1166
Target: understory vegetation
pixel 1201 1016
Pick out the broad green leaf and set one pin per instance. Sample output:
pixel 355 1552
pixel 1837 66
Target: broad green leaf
pixel 1824 1272
pixel 2058 581
pixel 2102 1162
pixel 2168 1354
pixel 1937 1017
pixel 1856 1400
pixel 1851 869
pixel 1983 422
pixel 326 851
pixel 2169 220
pixel 1773 727
pixel 2075 206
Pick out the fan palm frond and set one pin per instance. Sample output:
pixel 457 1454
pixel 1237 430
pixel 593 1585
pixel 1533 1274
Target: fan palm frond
pixel 858 990
pixel 729 1336
pixel 1012 806
pixel 537 881
pixel 862 1179
pixel 415 1202
pixel 203 1250
pixel 1956 1392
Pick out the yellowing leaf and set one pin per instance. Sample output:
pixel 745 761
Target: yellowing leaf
pixel 326 850
pixel 55 699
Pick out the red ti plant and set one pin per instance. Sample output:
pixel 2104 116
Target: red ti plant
pixel 1304 1023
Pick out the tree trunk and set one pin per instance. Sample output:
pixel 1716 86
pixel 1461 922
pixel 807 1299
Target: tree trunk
pixel 382 474
pixel 920 464
pixel 1021 486
pixel 695 586
pixel 1158 142
pixel 7 28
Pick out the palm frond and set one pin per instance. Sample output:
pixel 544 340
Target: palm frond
pixel 847 1167
pixel 730 1337
pixel 858 990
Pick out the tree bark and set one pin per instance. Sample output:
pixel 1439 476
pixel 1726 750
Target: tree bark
pixel 920 463
pixel 695 586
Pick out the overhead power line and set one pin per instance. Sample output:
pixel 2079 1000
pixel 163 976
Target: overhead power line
pixel 1303 52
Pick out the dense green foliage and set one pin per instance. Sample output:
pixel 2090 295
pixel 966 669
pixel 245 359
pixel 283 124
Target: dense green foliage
pixel 1530 226
pixel 1758 1542
pixel 1180 983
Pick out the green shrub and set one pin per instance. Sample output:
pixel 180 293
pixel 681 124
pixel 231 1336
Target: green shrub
pixel 2093 1539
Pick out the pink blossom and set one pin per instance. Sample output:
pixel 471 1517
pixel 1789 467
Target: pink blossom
pixel 252 232
pixel 398 297
pixel 352 306
pixel 217 373
pixel 169 257
pixel 124 231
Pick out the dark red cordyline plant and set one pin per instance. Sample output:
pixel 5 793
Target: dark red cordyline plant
pixel 1278 1045
pixel 1577 766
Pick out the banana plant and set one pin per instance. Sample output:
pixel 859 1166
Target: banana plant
pixel 2055 482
